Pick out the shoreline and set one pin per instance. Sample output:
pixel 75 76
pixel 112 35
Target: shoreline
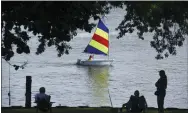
pixel 84 109
pixel 21 107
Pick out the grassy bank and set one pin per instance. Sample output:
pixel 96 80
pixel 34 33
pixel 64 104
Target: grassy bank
pixel 84 110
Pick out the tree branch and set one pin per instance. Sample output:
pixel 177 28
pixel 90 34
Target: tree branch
pixel 18 66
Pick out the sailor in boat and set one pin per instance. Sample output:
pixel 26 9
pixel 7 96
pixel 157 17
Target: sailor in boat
pixel 91 57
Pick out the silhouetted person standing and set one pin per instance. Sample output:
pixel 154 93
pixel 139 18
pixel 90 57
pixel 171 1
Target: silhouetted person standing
pixel 161 85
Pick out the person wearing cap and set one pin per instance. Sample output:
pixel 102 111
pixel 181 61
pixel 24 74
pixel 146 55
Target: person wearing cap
pixel 161 86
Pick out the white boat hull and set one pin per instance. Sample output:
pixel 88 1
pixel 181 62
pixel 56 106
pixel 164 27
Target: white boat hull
pixel 95 62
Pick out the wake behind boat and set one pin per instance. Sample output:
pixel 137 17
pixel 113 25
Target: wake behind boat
pixel 98 45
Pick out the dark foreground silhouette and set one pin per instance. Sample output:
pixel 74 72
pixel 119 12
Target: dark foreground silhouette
pixel 136 103
pixel 43 101
pixel 84 110
pixel 161 85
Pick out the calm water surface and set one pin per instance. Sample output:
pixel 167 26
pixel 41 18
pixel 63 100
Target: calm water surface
pixel 134 68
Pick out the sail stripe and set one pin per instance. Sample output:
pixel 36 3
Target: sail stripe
pixel 102 33
pixel 102 26
pixel 99 46
pixel 101 40
pixel 93 50
pixel 99 43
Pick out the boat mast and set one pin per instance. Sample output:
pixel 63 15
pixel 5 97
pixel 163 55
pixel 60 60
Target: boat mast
pixel 108 45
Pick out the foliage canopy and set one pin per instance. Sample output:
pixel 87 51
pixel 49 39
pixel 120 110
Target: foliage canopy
pixel 57 22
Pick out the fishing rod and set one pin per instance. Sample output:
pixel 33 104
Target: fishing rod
pixel 110 98
pixel 22 66
pixel 9 88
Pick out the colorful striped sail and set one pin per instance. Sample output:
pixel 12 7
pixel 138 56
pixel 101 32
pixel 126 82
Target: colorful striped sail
pixel 99 44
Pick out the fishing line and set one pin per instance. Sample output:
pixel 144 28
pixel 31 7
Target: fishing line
pixel 110 98
pixel 9 88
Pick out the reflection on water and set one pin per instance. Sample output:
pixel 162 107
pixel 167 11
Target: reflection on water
pixel 98 78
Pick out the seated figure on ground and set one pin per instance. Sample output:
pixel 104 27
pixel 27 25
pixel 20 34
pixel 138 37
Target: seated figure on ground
pixel 135 104
pixel 43 100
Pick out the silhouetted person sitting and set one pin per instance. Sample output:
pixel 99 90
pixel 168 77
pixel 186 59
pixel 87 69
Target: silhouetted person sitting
pixel 43 100
pixel 161 85
pixel 135 104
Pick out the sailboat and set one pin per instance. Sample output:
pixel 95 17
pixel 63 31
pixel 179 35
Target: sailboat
pixel 98 45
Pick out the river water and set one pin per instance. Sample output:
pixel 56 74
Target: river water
pixel 134 68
